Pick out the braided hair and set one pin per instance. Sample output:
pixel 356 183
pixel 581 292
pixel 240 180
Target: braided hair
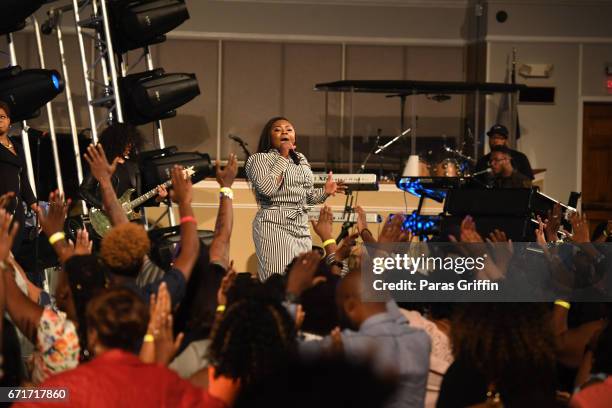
pixel 255 338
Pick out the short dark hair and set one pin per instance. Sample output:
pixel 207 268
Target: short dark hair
pixel 119 318
pixel 501 149
pixel 264 138
pixel 6 108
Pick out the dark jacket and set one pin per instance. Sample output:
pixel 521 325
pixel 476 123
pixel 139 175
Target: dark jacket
pixel 520 162
pixel 516 180
pixel 125 177
pixel 15 177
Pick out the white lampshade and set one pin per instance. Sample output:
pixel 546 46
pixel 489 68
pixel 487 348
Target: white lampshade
pixel 411 169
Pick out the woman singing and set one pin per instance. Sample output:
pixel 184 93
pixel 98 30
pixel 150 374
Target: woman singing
pixel 14 174
pixel 283 184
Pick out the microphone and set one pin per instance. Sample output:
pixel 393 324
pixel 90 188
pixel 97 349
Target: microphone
pixel 237 139
pixel 294 156
pixel 485 171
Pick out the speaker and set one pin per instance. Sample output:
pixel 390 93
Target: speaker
pixel 163 241
pixel 156 166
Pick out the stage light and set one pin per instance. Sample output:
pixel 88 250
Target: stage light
pixel 57 84
pixel 154 95
pixel 15 13
pixel 422 225
pixel 137 23
pixel 26 91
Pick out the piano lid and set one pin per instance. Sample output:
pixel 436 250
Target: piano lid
pixel 419 87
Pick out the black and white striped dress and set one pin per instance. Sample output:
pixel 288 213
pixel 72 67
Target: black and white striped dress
pixel 280 228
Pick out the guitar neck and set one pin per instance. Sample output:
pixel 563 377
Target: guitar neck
pixel 148 195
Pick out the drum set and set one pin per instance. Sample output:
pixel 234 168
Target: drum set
pixel 447 162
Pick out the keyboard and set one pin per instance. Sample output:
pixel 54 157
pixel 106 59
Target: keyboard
pixel 355 182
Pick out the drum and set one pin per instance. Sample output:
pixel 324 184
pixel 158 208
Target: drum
pixel 447 168
pixel 424 168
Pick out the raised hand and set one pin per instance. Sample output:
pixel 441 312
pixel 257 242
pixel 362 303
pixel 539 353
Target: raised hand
pixel 580 228
pixel 226 177
pixel 226 284
pixel 552 223
pixel 83 245
pixel 343 251
pixel 5 199
pixel 160 327
pixel 541 234
pixel 55 218
pixel 302 273
pixel 100 168
pixel 392 230
pixel 182 191
pixel 332 187
pixel 468 231
pixel 7 235
pixel 323 226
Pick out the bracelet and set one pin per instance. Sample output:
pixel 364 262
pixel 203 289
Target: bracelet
pixel 188 218
pixel 58 236
pixel 329 241
pixel 220 308
pixel 148 338
pixel 226 192
pixel 330 258
pixel 562 303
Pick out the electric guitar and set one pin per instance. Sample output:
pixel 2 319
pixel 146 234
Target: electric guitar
pixel 102 224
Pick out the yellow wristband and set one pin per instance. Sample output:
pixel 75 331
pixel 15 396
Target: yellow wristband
pixel 563 303
pixel 148 338
pixel 220 308
pixel 58 236
pixel 329 241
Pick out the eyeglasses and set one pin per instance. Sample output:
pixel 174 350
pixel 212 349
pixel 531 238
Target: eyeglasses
pixel 497 160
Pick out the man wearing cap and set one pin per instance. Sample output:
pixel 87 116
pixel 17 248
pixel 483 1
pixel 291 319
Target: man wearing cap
pixel 498 136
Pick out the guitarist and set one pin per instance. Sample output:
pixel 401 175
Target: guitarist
pixel 119 141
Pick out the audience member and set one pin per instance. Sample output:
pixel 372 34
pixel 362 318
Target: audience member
pixel 504 353
pixel 116 321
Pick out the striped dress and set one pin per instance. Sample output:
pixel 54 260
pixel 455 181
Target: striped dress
pixel 280 228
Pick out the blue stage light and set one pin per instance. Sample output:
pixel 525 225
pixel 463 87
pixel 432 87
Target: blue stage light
pixel 56 82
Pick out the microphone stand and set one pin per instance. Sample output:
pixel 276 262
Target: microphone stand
pixel 348 205
pixel 243 146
